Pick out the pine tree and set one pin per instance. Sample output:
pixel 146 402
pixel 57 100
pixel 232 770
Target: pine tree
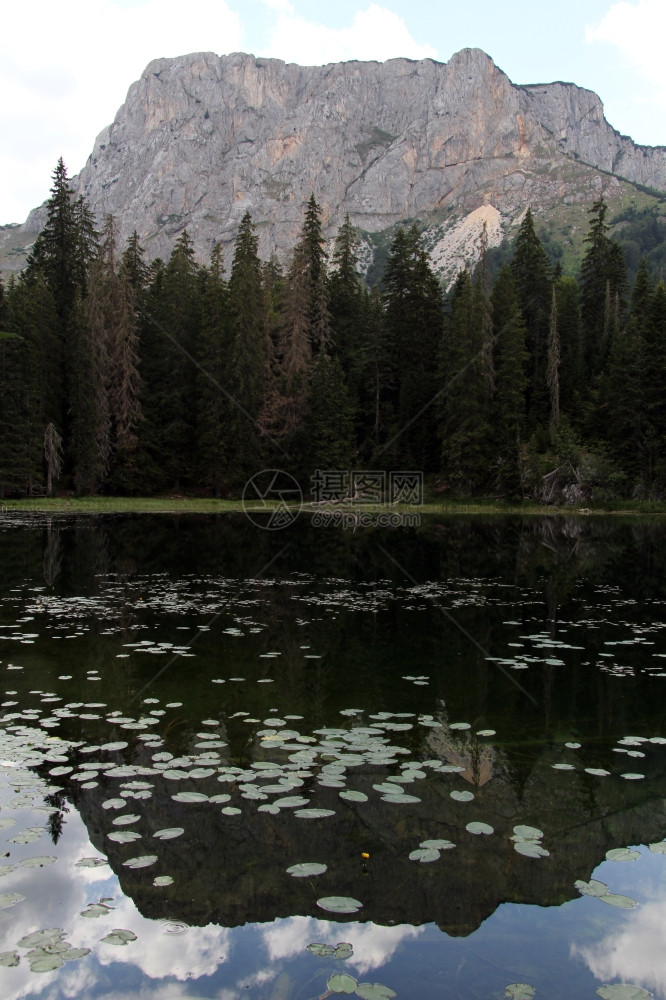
pixel 168 346
pixel 532 271
pixel 213 352
pixel 553 368
pixel 248 359
pixel 602 278
pixel 573 388
pixel 134 265
pixel 413 326
pixel 29 385
pixel 330 430
pixel 287 399
pixel 346 305
pixel 511 361
pixel 54 254
pixel 314 260
pixel 464 406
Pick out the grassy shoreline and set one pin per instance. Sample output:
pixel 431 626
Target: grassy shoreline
pixel 183 505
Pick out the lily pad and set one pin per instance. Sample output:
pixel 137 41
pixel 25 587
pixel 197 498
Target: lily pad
pixel 161 880
pixel 592 888
pixel 519 991
pixel 462 796
pixel 307 868
pixel 622 854
pixel 530 849
pixel 339 904
pixel 321 950
pixel 439 845
pixel 94 910
pixel 9 959
pixel 659 848
pixel 119 937
pixel 123 836
pixel 352 796
pixel 313 813
pixel 613 899
pixel 39 862
pixel 126 819
pixel 173 831
pixel 425 854
pixel 189 797
pixel 144 861
pixel 40 938
pixel 528 832
pixel 341 983
pixel 623 991
pixel 28 836
pixel 45 963
pixel 478 828
pixel 114 804
pixel 8 899
pixel 374 991
pixel 402 799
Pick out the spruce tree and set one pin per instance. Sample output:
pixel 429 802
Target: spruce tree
pixel 248 360
pixel 169 334
pixel 413 326
pixel 573 389
pixel 213 352
pixel 330 428
pixel 553 368
pixel 465 400
pixel 511 361
pixel 532 271
pixel 347 305
pixel 603 286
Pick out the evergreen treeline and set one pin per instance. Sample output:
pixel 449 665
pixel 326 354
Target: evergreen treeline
pixel 122 376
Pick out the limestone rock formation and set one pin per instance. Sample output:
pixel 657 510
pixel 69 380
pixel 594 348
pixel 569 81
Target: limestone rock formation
pixel 202 138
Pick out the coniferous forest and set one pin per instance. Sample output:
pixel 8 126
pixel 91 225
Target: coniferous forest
pixel 123 376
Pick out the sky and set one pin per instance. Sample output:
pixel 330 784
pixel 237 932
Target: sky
pixel 65 68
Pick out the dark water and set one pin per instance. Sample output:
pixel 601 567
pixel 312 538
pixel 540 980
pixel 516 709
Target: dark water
pixel 336 698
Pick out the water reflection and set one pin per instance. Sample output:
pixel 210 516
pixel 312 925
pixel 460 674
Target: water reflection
pixel 633 950
pixel 337 643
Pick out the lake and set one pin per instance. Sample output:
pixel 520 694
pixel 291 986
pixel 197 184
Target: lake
pixel 425 762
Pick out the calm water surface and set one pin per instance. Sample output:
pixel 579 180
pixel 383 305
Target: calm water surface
pixel 457 727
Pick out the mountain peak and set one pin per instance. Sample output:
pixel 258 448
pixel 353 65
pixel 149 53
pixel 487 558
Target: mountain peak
pixel 202 138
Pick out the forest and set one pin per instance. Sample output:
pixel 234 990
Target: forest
pixel 121 376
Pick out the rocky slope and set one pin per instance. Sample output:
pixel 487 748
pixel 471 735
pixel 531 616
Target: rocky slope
pixel 202 138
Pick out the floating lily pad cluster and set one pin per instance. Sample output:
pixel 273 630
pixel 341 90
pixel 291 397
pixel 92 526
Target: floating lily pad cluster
pixel 340 952
pixel 48 950
pixel 342 983
pixel 527 841
pixel 430 850
pixel 601 891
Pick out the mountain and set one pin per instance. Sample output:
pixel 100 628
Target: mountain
pixel 202 138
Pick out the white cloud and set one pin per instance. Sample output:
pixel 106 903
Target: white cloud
pixel 283 6
pixel 637 30
pixel 65 72
pixel 374 945
pixel 375 33
pixel 633 953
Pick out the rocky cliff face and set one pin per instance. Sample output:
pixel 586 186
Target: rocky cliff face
pixel 202 138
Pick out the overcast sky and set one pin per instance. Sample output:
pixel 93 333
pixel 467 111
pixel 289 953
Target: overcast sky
pixel 65 68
